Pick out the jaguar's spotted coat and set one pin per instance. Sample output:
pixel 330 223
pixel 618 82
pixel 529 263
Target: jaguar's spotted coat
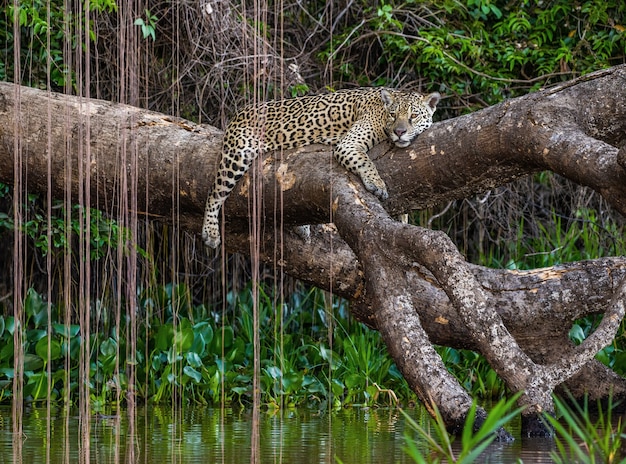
pixel 355 120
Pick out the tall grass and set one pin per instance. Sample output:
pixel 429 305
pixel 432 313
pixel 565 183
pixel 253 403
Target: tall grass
pixel 581 439
pixel 439 443
pixel 583 435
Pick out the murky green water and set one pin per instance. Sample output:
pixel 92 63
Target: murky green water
pixel 207 435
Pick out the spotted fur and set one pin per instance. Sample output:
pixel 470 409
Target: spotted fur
pixel 353 120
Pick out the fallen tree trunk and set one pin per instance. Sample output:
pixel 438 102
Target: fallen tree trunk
pixel 408 282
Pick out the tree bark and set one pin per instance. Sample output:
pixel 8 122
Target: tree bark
pixel 410 283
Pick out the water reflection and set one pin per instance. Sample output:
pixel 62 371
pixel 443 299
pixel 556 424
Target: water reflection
pixel 209 435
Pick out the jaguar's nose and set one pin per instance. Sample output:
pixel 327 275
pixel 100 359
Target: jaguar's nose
pixel 400 131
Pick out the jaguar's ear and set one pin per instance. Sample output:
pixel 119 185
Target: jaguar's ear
pixel 433 99
pixel 386 97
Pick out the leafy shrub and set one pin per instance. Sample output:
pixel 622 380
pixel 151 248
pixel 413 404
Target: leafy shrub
pixel 40 22
pixel 479 51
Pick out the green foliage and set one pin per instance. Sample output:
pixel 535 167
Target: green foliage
pixel 477 52
pixel 148 25
pixel 40 22
pixel 438 446
pixel 473 372
pixel 105 234
pixel 581 439
pixel 298 90
pixel 481 51
pixel 182 352
pixel 614 355
pixel 40 349
pixel 562 240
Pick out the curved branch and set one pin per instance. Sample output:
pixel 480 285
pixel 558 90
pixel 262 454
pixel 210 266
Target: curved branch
pixel 571 363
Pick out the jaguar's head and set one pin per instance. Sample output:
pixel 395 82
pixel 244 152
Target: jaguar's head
pixel 409 114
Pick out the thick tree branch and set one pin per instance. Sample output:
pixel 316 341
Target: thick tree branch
pixel 381 244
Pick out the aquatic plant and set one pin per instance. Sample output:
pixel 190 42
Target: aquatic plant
pixel 436 446
pixel 580 438
pixel 185 351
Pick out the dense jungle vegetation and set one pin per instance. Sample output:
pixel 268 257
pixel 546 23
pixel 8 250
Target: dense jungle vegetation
pixel 194 333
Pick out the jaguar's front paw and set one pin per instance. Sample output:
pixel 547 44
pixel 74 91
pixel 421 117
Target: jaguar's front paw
pixel 304 232
pixel 378 188
pixel 211 237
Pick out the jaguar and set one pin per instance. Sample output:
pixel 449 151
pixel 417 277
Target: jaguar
pixel 353 120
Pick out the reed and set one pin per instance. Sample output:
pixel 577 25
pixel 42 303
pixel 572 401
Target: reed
pixel 438 445
pixel 587 436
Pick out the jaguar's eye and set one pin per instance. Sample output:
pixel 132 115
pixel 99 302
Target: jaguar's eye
pixel 414 115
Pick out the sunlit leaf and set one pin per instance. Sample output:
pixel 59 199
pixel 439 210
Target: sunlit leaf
pixel 164 337
pixel 354 381
pixel 194 374
pixel 274 372
pixel 193 359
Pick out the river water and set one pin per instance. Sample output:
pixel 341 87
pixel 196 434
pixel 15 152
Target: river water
pixel 158 435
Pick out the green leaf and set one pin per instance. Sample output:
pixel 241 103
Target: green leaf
pixel 32 362
pixel 273 372
pixel 577 334
pixel 203 337
pixel 496 11
pixel 6 352
pixel 223 339
pixel 156 362
pixel 239 390
pixel 35 308
pixel 354 381
pixel 337 387
pixel 10 325
pixel 191 372
pixel 108 347
pixel 193 359
pixel 42 349
pixel 183 339
pixel 37 386
pixel 619 364
pixel 164 337
pixel 292 382
pixel 65 330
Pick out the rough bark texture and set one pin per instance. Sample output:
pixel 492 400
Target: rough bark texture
pixel 408 282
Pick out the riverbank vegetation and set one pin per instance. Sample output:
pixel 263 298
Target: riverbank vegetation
pixel 190 318
pixel 312 353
